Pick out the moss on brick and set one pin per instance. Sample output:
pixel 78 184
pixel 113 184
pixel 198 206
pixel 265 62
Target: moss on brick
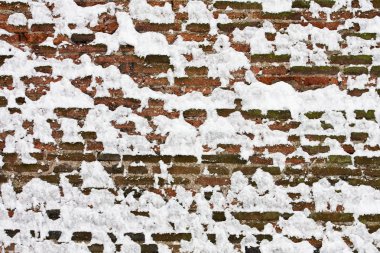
pixel 198 28
pixel 313 150
pixel 365 36
pixel 193 113
pixel 237 5
pixel 287 15
pixel 368 115
pixel 301 4
pixel 335 171
pixel 96 248
pixel 325 3
pixel 149 248
pixel 376 3
pixel 81 236
pixel 355 71
pixel 369 218
pixel 366 161
pixel 359 136
pixel 218 216
pixel 252 114
pixel 333 217
pixel 351 59
pixel 315 70
pixel 225 112
pixel 171 237
pixel 314 115
pixel 261 216
pixel 270 58
pixel 229 27
pixel 279 115
pixel 326 126
pixel 340 159
pixel 184 159
pixel 375 71
pixel 225 158
pixel 339 138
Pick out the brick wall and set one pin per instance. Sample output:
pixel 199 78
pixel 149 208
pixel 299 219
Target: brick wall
pixel 190 126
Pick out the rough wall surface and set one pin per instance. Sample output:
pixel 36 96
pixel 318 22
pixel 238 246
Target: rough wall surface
pixel 190 126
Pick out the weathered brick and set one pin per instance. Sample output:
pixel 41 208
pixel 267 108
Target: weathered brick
pixel 229 27
pixel 54 235
pixel 237 5
pixel 53 214
pixel 149 248
pixel 366 161
pixel 81 236
pixel 289 15
pixel 351 59
pixel 375 71
pixel 304 4
pixel 198 28
pixel 355 71
pixel 212 181
pixel 314 115
pixel 218 216
pixel 3 101
pixel 325 3
pixel 171 237
pixel 225 158
pixel 359 136
pixel 368 115
pixel 6 80
pixel 333 217
pixel 82 38
pixel 151 59
pixel 279 115
pixel 270 58
pixel 314 150
pixel 315 70
pixel 96 248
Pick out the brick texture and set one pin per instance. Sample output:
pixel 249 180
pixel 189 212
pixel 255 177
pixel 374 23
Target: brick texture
pixel 68 100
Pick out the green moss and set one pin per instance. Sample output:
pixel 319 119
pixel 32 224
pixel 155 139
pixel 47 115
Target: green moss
pixel 365 36
pixel 351 59
pixel 270 58
pixel 375 70
pixel 341 159
pixel 227 158
pixel 359 136
pixel 314 115
pixel 237 5
pixel 326 126
pixel 229 27
pixel 368 115
pixel 279 115
pixel 224 112
pixel 252 114
pixel 312 70
pixel 287 15
pixel 369 218
pixel 325 3
pixel 301 4
pixel 355 70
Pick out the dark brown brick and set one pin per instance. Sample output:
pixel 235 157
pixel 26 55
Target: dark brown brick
pixel 81 236
pixel 237 5
pixel 82 38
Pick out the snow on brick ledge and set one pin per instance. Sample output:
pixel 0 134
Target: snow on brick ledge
pixel 190 126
